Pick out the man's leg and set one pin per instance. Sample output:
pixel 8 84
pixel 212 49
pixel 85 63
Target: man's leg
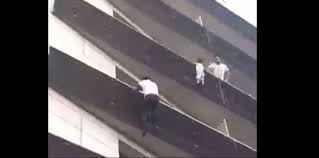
pixel 148 107
pixel 202 79
pixel 145 116
pixel 154 101
pixel 198 81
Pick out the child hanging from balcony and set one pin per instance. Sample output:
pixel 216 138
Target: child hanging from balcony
pixel 200 74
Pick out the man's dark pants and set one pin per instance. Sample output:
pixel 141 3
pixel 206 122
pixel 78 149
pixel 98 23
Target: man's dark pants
pixel 148 108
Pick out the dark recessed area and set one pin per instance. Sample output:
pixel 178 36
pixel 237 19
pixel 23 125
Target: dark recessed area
pixel 58 147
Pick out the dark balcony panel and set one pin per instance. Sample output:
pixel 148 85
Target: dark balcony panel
pixel 89 88
pixel 124 77
pixel 59 147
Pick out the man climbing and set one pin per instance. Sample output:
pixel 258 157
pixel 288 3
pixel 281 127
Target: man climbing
pixel 219 69
pixel 200 74
pixel 151 101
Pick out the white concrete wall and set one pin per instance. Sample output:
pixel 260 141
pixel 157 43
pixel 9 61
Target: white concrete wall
pixel 70 122
pixel 67 120
pixel 65 39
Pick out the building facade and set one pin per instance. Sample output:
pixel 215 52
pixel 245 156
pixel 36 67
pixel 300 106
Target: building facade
pixel 81 127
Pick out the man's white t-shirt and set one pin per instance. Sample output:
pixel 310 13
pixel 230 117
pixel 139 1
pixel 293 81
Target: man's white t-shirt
pixel 148 87
pixel 218 70
pixel 199 69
